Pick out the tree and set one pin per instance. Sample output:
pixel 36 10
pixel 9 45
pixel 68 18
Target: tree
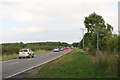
pixel 95 24
pixel 75 44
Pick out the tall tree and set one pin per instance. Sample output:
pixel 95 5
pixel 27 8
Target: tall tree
pixel 95 24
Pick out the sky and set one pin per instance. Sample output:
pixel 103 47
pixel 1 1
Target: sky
pixel 51 20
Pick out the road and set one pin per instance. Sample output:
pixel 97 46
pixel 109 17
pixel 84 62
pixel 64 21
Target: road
pixel 16 66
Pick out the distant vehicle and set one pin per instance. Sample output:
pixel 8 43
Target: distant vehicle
pixel 71 47
pixel 65 48
pixel 61 49
pixel 26 53
pixel 56 49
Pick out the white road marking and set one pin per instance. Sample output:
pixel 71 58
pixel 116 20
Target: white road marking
pixel 37 65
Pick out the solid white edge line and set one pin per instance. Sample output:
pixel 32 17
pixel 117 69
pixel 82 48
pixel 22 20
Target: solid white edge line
pixel 37 65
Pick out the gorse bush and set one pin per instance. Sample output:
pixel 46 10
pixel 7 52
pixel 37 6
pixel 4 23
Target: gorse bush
pixel 10 50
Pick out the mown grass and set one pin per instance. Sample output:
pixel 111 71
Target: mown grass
pixel 14 56
pixel 75 64
pixel 8 57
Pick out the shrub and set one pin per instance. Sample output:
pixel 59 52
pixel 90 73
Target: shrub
pixel 10 50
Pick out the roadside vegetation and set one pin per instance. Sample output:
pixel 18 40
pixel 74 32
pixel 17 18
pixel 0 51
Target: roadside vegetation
pixel 15 56
pixel 10 50
pixel 101 58
pixel 101 44
pixel 75 64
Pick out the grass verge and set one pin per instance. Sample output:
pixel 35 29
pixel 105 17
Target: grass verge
pixel 75 64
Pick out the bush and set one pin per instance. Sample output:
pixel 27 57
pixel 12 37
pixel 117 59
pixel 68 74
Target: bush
pixel 8 50
pixel 47 47
pixel 11 48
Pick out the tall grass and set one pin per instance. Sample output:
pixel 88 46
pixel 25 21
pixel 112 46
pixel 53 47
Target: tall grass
pixel 106 62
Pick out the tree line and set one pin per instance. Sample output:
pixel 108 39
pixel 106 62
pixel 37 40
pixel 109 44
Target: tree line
pixel 13 48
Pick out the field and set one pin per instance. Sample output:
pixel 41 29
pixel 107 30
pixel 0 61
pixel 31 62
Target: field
pixel 10 50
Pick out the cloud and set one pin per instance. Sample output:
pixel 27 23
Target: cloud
pixel 55 20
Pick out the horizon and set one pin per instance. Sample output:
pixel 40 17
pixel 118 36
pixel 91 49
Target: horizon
pixel 36 42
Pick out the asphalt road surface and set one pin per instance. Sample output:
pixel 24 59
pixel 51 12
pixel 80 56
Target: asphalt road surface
pixel 16 66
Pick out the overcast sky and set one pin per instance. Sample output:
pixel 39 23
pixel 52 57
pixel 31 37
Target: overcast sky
pixel 51 20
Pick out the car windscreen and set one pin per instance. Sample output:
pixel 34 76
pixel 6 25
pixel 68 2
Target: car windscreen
pixel 23 50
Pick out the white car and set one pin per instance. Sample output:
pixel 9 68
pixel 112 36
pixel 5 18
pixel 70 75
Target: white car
pixel 56 49
pixel 23 53
pixel 61 49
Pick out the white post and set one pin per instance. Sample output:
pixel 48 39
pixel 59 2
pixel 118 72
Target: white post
pixel 83 37
pixel 97 41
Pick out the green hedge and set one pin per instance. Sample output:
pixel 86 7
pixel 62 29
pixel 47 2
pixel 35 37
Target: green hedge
pixel 10 48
